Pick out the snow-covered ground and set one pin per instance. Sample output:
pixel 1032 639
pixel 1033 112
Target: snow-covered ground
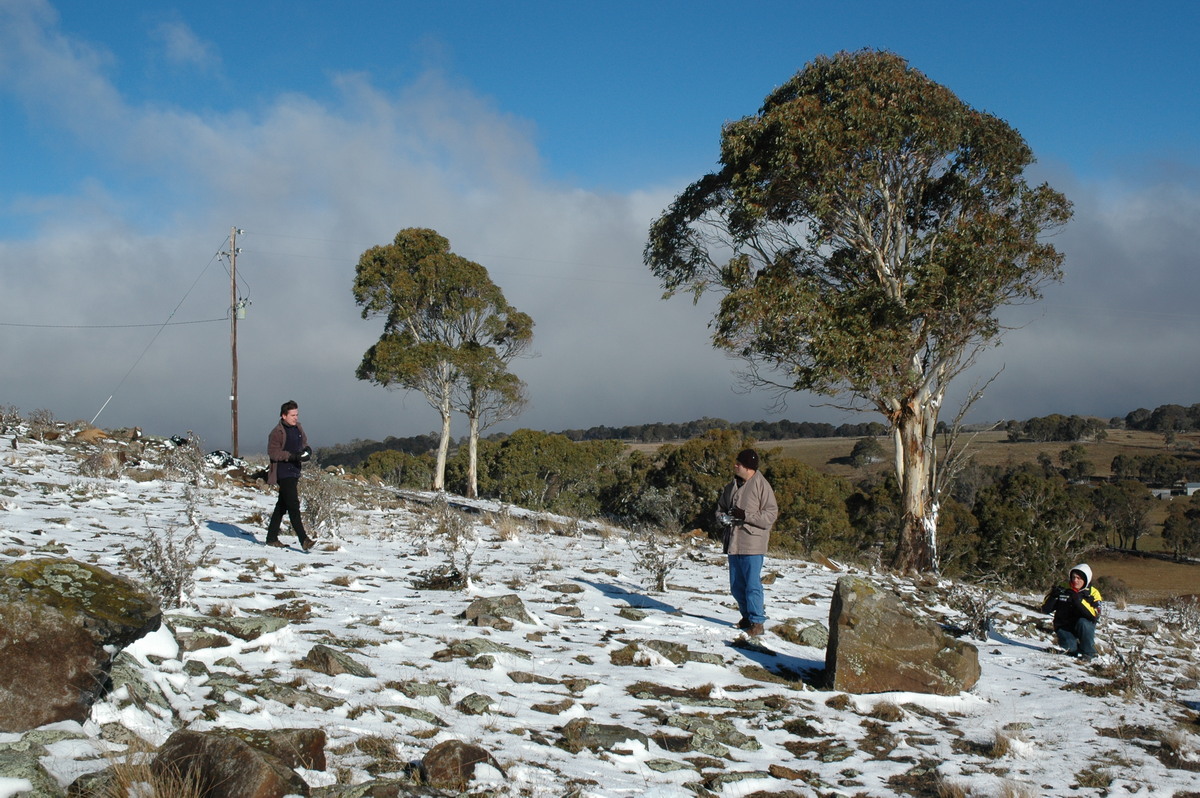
pixel 1036 724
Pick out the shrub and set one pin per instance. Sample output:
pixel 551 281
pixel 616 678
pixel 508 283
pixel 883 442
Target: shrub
pixel 978 605
pixel 454 533
pixel 654 553
pixel 168 562
pixel 324 496
pixel 186 461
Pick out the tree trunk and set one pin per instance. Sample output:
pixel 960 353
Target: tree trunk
pixel 916 463
pixel 439 473
pixel 472 459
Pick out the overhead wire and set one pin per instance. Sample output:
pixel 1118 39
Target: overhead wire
pixel 161 327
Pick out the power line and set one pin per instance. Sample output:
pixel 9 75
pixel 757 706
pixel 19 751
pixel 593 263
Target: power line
pixel 154 338
pixel 109 326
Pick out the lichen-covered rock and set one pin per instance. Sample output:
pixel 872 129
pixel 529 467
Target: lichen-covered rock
pixel 877 645
pixel 296 748
pixel 60 623
pixel 331 662
pixel 18 763
pixel 113 608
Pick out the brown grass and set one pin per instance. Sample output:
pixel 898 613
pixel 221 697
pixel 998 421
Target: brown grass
pixel 1151 579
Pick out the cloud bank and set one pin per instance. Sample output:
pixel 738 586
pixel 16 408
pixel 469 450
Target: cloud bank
pixel 132 238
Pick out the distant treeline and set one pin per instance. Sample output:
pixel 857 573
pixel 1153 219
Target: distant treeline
pixel 660 432
pixel 353 454
pixel 1055 427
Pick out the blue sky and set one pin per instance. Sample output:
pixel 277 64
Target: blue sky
pixel 541 139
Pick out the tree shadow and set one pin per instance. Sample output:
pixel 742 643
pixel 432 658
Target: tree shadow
pixel 632 598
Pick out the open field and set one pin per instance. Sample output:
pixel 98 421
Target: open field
pixel 832 455
pixel 1151 580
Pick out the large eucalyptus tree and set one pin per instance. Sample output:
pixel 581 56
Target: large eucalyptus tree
pixel 864 229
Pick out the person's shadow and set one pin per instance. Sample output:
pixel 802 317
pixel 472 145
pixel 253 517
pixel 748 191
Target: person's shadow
pixel 230 530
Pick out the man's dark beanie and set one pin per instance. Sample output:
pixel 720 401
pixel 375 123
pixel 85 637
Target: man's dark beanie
pixel 748 458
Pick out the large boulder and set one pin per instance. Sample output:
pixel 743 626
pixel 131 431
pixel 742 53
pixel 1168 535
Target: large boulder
pixel 878 645
pixel 61 624
pixel 225 766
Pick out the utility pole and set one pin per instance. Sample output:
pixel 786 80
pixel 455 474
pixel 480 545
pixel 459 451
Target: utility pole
pixel 235 308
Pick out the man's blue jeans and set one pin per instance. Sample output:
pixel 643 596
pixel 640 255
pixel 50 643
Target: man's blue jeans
pixel 1079 639
pixel 745 583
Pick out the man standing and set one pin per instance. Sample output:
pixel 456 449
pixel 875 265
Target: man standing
pixel 287 448
pixel 747 509
pixel 1076 608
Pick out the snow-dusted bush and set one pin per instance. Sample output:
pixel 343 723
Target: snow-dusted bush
pixel 10 418
pixel 1183 615
pixel 454 533
pixel 168 562
pixel 978 606
pixel 325 499
pixel 656 553
pixel 185 461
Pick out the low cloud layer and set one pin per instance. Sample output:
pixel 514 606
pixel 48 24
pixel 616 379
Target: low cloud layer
pixel 313 183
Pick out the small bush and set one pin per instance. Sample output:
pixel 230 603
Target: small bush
pixel 168 563
pixel 185 461
pixel 10 418
pixel 1183 615
pixel 454 533
pixel 41 423
pixel 655 553
pixel 324 496
pixel 978 605
pixel 506 524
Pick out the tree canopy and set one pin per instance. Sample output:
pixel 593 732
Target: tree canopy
pixel 864 230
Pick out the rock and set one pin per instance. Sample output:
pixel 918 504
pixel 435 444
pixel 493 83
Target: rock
pixel 583 733
pixel 292 697
pixel 242 628
pixel 878 645
pixel 226 766
pixel 476 704
pixel 25 764
pixel 113 608
pixel 330 662
pixel 486 611
pixel 296 748
pixel 804 633
pixel 675 652
pixel 61 623
pixel 450 765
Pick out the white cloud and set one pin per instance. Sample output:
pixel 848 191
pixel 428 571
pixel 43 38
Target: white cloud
pixel 314 183
pixel 182 47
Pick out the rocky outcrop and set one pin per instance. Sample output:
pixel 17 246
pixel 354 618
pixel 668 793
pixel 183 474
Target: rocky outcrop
pixel 60 623
pixel 877 645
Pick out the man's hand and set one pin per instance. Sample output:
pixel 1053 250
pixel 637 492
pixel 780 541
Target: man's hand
pixel 738 513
